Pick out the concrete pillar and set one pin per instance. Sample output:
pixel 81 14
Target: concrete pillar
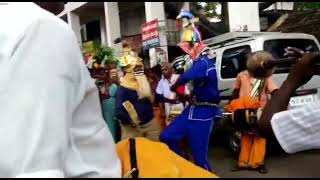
pixel 103 31
pixel 112 21
pixel 84 33
pixel 243 15
pixel 74 22
pixel 155 10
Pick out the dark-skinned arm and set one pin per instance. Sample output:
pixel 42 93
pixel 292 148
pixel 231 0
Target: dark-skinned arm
pixel 278 102
pixel 160 98
pixel 299 75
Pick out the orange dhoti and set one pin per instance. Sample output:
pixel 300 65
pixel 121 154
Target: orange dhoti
pixel 252 146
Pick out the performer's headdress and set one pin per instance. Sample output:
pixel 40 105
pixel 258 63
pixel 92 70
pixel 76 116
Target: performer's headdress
pixel 129 59
pixel 191 41
pixel 135 77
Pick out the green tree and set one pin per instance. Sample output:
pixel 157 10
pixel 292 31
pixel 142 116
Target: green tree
pixel 104 54
pixel 312 5
pixel 302 6
pixel 209 9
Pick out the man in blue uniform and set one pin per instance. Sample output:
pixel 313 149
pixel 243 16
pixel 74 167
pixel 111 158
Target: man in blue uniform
pixel 196 121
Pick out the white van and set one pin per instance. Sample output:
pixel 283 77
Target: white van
pixel 231 49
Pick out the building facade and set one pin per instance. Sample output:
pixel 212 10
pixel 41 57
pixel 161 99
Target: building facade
pixel 106 21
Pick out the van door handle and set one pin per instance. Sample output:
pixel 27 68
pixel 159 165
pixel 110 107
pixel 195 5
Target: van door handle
pixel 223 90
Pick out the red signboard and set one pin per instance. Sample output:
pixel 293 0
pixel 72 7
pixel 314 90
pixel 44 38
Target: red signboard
pixel 150 34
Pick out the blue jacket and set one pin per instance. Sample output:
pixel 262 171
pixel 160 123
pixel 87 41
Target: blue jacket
pixel 205 89
pixel 203 72
pixel 142 106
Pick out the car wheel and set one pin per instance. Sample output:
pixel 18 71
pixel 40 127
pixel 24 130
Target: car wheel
pixel 234 142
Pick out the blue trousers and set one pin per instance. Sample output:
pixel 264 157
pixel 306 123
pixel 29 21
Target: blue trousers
pixel 197 133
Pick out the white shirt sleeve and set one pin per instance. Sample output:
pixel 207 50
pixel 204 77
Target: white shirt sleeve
pixel 51 119
pixel 42 174
pixel 298 129
pixel 159 89
pixel 187 91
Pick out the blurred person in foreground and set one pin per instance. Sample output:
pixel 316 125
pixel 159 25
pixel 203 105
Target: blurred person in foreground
pixel 296 129
pixel 54 127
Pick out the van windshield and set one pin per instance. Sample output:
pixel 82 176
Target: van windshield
pixel 277 48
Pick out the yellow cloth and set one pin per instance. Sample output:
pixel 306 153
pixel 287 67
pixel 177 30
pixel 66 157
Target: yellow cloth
pixel 129 60
pixel 132 112
pixel 130 82
pixel 187 35
pixel 156 160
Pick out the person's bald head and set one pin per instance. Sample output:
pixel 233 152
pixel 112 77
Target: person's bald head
pixel 53 7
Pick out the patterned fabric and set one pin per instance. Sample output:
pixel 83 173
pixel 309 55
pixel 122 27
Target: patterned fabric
pixel 244 82
pixel 178 63
pixel 256 88
pixel 298 129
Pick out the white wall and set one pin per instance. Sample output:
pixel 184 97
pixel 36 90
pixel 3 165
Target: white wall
pixel 131 21
pixel 70 6
pixel 281 6
pixel 112 25
pixel 155 10
pixel 74 22
pixel 243 13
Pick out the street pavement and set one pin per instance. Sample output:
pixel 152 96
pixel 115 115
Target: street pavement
pixel 279 164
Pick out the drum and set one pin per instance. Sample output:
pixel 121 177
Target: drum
pixel 246 119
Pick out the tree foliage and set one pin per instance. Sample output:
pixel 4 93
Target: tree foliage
pixel 310 5
pixel 104 54
pixel 209 9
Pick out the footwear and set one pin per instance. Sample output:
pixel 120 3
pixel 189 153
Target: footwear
pixel 262 169
pixel 235 168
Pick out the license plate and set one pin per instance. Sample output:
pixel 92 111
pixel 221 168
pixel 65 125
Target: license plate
pixel 301 100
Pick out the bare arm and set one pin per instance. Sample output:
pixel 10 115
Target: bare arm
pixel 300 74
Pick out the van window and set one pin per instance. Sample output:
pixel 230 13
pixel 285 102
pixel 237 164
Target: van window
pixel 234 61
pixel 276 48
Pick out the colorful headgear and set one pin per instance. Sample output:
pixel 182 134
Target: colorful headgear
pixel 178 64
pixel 191 41
pixel 130 59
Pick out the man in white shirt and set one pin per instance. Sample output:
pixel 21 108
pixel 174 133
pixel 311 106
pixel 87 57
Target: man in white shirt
pixel 51 120
pixel 297 129
pixel 163 89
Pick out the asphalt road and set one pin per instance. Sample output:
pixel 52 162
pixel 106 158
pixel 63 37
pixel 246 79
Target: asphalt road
pixel 279 164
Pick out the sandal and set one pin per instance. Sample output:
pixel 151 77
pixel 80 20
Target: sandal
pixel 262 169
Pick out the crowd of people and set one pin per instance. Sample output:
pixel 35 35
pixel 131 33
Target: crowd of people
pixel 55 126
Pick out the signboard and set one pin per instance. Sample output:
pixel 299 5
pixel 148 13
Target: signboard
pixel 150 34
pixel 160 56
pixel 157 56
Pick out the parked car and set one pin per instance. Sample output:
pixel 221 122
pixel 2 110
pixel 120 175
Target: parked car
pixel 231 50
